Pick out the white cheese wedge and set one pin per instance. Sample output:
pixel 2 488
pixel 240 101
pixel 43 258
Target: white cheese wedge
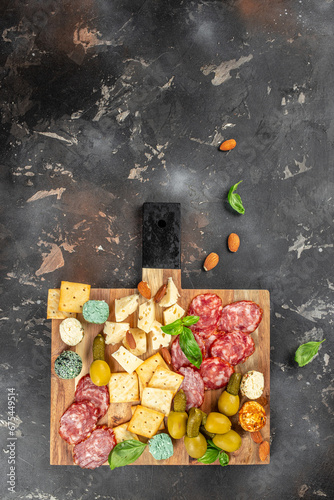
pixel 172 294
pixel 129 362
pixel 125 306
pixel 115 332
pixel 146 315
pixel 140 339
pixel 173 313
pixel 159 338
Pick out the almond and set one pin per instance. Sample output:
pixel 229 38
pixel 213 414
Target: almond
pixel 166 355
pixel 257 437
pixel 233 242
pixel 160 293
pixel 130 340
pixel 262 401
pixel 264 449
pixel 228 145
pixel 211 261
pixel 144 289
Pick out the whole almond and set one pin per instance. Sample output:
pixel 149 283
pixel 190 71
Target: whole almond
pixel 264 449
pixel 257 437
pixel 233 242
pixel 166 355
pixel 130 340
pixel 211 261
pixel 160 293
pixel 228 145
pixel 144 289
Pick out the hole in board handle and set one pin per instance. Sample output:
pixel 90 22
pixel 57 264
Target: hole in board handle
pixel 162 223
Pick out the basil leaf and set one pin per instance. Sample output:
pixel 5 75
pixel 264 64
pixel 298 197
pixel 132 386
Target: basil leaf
pixel 174 328
pixel 125 453
pixel 209 456
pixel 306 352
pixel 235 200
pixel 223 458
pixel 190 347
pixel 212 444
pixel 189 320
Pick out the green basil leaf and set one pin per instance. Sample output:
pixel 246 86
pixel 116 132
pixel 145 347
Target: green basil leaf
pixel 125 453
pixel 235 200
pixel 189 320
pixel 223 458
pixel 174 328
pixel 212 444
pixel 306 352
pixel 209 456
pixel 190 347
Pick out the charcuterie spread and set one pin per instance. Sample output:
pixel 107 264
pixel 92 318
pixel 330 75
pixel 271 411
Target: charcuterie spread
pixel 199 348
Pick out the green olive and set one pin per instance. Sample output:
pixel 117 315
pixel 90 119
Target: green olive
pixel 196 447
pixel 217 423
pixel 231 441
pixel 228 404
pixel 177 424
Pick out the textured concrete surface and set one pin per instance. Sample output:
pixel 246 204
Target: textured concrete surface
pixel 107 105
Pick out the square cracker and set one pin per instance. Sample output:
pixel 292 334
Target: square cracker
pixel 145 421
pixel 73 296
pixel 146 369
pixel 122 433
pixel 123 387
pixel 53 304
pixel 162 425
pixel 157 399
pixel 166 379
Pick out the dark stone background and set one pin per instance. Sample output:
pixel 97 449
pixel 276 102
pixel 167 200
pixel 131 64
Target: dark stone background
pixel 108 104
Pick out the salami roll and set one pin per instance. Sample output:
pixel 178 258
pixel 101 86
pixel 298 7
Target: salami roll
pixel 78 421
pixel 94 451
pixel 208 307
pixel 179 359
pixel 193 387
pixel 215 373
pixel 243 316
pixel 98 396
pixel 234 347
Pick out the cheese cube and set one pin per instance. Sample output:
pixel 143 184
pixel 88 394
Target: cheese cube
pixel 140 339
pixel 158 337
pixel 128 361
pixel 115 332
pixel 125 306
pixel 172 294
pixel 146 315
pixel 173 313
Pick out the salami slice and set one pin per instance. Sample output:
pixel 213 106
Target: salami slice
pixel 193 387
pixel 179 359
pixel 215 373
pixel 208 341
pixel 234 347
pixel 98 396
pixel 243 316
pixel 94 451
pixel 208 307
pixel 78 421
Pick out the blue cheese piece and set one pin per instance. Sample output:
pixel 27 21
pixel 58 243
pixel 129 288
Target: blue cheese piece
pixel 115 332
pixel 129 362
pixel 161 446
pixel 173 313
pixel 126 306
pixel 146 315
pixel 158 337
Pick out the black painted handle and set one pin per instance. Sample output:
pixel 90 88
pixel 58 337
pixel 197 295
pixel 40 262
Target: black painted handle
pixel 161 235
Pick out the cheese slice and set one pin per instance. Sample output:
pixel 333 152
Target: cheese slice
pixel 115 332
pixel 158 337
pixel 146 315
pixel 140 339
pixel 125 306
pixel 129 362
pixel 172 294
pixel 173 313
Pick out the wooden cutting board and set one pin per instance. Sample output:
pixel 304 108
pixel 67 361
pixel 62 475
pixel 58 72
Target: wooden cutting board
pixel 62 391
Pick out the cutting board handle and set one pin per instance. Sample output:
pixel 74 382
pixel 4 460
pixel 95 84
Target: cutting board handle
pixel 161 237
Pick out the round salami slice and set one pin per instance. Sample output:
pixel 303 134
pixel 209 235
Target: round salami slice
pixel 193 387
pixel 94 451
pixel 78 421
pixel 208 307
pixel 234 347
pixel 243 316
pixel 215 373
pixel 179 359
pixel 98 396
pixel 208 341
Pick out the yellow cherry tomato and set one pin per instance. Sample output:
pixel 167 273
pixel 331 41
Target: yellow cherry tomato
pixel 99 372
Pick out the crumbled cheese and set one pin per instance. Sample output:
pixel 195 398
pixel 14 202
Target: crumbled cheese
pixel 252 384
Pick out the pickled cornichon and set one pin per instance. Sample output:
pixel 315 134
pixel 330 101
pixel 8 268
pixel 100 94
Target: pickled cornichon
pixel 234 384
pixel 98 347
pixel 194 422
pixel 180 401
pixel 209 435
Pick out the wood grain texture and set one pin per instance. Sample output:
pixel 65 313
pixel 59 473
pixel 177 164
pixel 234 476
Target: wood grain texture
pixel 62 391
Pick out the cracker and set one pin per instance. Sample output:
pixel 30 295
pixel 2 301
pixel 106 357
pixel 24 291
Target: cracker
pixel 122 433
pixel 73 296
pixel 157 399
pixel 123 387
pixel 146 369
pixel 53 304
pixel 166 379
pixel 162 425
pixel 145 421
